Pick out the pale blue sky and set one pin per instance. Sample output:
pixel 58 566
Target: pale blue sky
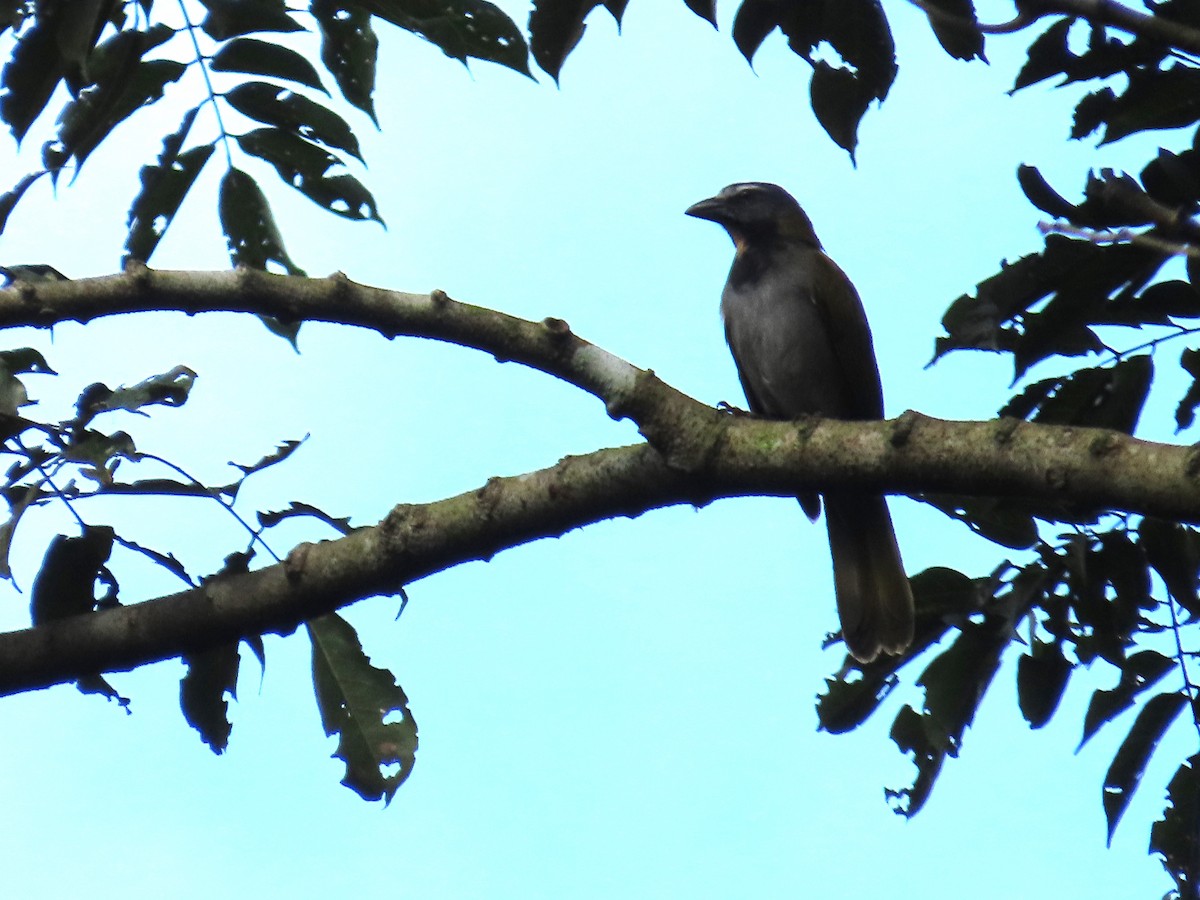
pixel 626 711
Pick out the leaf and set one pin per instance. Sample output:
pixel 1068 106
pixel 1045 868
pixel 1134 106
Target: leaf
pixel 120 84
pixel 1185 412
pixel 257 57
pixel 1139 672
pixel 847 704
pixel 167 560
pixel 856 29
pixel 1097 397
pixel 1174 552
pixel 282 452
pixel 278 106
pixel 349 50
pixel 941 596
pixel 1175 837
pixel 705 9
pixel 25 496
pixel 461 29
pixel 957 28
pixel 355 699
pixel 65 584
pixel 1041 195
pixel 169 389
pixel 230 18
pixel 1154 99
pixel 296 509
pixel 555 27
pixel 1041 679
pixel 211 674
pixel 33 71
pixel 1002 521
pixel 955 682
pixel 250 230
pixel 1129 764
pixel 9 200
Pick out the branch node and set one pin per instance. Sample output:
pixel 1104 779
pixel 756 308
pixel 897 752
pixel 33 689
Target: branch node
pixel 1104 444
pixel 1192 466
pixel 1006 427
pixel 1056 478
pixel 439 297
pixel 903 427
pixel 296 562
pixel 138 272
pixel 557 328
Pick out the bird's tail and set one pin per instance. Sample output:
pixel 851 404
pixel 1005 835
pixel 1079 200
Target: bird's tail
pixel 874 597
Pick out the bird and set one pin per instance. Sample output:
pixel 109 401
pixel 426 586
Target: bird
pixel 802 346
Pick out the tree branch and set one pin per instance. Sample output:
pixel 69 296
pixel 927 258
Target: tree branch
pixel 695 454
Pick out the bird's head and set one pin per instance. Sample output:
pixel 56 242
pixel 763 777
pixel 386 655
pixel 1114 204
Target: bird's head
pixel 757 213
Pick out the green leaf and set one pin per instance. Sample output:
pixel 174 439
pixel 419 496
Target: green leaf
pixel 1002 521
pixel 167 560
pixel 292 156
pixel 282 452
pixel 705 9
pixel 1175 837
pixel 1099 397
pixel 298 509
pixel 555 27
pixel 256 57
pixel 1129 764
pixel 33 71
pixel 278 106
pixel 349 50
pixel 211 674
pixel 462 29
pixel 955 682
pixel 65 584
pixel 86 122
pixel 1185 412
pixel 169 389
pixel 164 187
pixel 1139 673
pixel 253 237
pixel 230 18
pixel 1154 99
pixel 856 29
pixel 355 699
pixel 9 200
pixel 957 28
pixel 1174 552
pixel 20 498
pixel 303 164
pixel 1041 679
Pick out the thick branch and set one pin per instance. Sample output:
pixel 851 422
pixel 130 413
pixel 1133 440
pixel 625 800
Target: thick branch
pixel 696 454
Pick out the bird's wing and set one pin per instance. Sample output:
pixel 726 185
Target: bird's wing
pixel 850 336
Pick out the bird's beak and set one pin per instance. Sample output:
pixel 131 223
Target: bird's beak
pixel 712 209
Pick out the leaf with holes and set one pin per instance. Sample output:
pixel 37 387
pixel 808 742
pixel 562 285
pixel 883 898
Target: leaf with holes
pixel 349 50
pixel 462 29
pixel 1129 764
pixel 355 700
pixel 285 109
pixel 211 674
pixel 1175 837
pixel 250 230
pixel 164 187
pixel 1139 672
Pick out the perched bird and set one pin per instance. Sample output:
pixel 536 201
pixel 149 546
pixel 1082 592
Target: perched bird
pixel 802 346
